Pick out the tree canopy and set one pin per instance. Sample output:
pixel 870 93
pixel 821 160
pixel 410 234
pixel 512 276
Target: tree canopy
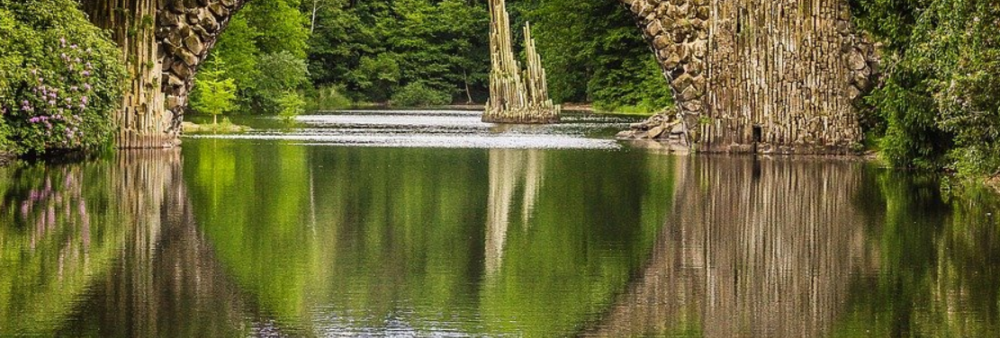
pixel 431 52
pixel 939 105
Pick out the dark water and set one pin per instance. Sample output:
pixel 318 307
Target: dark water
pixel 344 226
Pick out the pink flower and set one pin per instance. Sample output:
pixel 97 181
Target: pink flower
pixel 84 99
pixel 86 86
pixel 62 41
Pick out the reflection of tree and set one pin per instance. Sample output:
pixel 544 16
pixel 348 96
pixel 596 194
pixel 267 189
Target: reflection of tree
pixel 938 274
pixel 753 249
pixel 108 248
pixel 57 231
pixel 510 170
pixel 397 245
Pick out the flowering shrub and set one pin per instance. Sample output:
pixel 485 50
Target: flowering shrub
pixel 62 78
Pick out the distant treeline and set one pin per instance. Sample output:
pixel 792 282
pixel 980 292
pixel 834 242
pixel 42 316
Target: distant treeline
pixel 329 54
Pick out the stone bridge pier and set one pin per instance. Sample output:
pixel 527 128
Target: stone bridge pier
pixel 773 76
pixel 163 42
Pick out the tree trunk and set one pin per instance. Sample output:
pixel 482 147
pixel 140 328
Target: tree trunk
pixel 312 20
pixel 468 92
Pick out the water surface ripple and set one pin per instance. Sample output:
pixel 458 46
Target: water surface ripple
pixel 438 129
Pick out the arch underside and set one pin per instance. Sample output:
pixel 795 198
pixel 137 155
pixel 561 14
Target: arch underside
pixel 747 75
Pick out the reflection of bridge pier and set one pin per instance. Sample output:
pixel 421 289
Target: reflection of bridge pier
pixel 753 248
pixel 166 266
pixel 509 170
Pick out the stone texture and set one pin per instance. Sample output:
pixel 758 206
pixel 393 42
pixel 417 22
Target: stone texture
pixel 168 54
pixel 778 76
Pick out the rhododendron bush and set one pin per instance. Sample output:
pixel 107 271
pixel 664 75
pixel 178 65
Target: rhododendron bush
pixel 61 78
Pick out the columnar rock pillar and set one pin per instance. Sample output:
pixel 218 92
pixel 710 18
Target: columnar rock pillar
pixel 163 42
pixel 775 76
pixel 514 99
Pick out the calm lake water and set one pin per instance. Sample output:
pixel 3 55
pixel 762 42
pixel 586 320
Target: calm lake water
pixel 434 224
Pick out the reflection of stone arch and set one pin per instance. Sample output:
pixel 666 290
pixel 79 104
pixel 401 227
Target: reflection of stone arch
pixel 767 250
pixel 510 170
pixel 166 267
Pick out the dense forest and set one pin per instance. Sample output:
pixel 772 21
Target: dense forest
pixel 937 105
pixel 285 54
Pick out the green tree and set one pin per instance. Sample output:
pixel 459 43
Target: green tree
pixel 940 103
pixel 216 94
pixel 292 105
pixel 594 53
pixel 265 48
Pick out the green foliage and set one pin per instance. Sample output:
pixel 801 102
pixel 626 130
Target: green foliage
pixel 215 95
pixel 279 73
pixel 374 49
pixel 377 76
pixel 591 49
pixel 265 48
pixel 60 78
pixel 593 52
pixel 280 27
pixel 327 98
pixel 291 104
pixel 417 94
pixel 940 105
pixel 237 45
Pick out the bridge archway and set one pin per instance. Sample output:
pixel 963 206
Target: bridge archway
pixel 164 42
pixel 747 76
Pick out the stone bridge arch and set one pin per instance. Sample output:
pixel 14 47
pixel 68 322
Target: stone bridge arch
pixel 774 76
pixel 163 42
pixel 779 74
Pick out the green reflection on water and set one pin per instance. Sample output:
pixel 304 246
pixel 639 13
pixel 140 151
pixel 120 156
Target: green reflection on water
pixel 489 242
pixel 938 264
pixel 56 236
pixel 480 241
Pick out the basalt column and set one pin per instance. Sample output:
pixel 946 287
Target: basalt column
pixel 515 97
pixel 771 76
pixel 163 42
